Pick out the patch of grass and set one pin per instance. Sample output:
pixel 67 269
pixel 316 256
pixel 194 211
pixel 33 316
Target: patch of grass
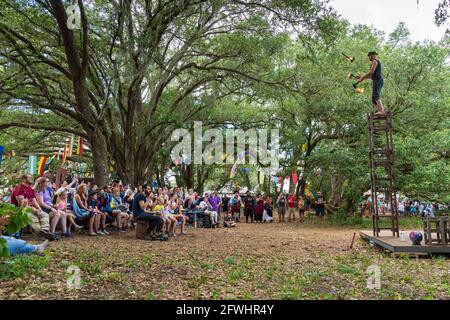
pixel 248 295
pixel 196 283
pixel 147 260
pixel 131 263
pixel 215 294
pixel 21 265
pixel 207 266
pixel 150 296
pixel 230 260
pixel 236 274
pixel 289 293
pixel 112 277
pixel 197 295
pixel 343 268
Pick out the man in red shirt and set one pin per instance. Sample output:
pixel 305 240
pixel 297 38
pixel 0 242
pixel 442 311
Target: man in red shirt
pixel 291 206
pixel 23 195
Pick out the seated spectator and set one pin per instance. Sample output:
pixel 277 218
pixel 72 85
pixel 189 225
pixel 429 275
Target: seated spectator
pixel 128 199
pixel 18 246
pixel 24 195
pixel 208 210
pixel 119 211
pixel 228 220
pixel 173 207
pixel 61 205
pixel 214 200
pixel 178 214
pixel 140 212
pixel 159 209
pixel 82 212
pixel 43 197
pixel 100 220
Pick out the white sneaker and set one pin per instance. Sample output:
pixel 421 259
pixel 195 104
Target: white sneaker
pixel 100 233
pixel 105 232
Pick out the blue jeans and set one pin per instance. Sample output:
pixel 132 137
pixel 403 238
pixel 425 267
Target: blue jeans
pixel 18 246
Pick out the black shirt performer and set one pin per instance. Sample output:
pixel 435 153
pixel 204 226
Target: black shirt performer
pixel 377 81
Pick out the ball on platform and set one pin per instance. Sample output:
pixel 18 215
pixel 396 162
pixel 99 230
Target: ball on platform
pixel 416 237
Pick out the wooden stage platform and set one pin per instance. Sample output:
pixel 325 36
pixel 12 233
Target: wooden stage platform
pixel 393 244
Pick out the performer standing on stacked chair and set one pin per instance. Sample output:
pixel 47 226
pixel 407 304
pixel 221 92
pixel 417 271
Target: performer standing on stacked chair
pixel 377 81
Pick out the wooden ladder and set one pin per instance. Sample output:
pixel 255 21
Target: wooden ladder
pixel 382 171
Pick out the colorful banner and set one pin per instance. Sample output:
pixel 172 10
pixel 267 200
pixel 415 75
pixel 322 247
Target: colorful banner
pixel 80 147
pixel 32 164
pixel 294 177
pixel 49 162
pixel 64 156
pixel 304 147
pixel 59 154
pixel 1 153
pixel 70 148
pixel 41 165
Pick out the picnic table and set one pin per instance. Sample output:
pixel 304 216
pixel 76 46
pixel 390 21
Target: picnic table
pixel 194 212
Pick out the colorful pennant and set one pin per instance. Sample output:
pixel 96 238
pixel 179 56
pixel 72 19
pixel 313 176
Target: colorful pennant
pixel 41 165
pixel 70 148
pixel 80 146
pixel 64 157
pixel 32 164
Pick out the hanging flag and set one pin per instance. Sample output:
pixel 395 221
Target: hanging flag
pixel 59 154
pixel 304 147
pixel 294 177
pixel 1 153
pixel 64 156
pixel 41 165
pixel 32 163
pixel 49 162
pixel 69 150
pixel 80 146
pixel 280 180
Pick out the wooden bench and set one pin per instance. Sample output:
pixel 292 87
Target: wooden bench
pixel 141 229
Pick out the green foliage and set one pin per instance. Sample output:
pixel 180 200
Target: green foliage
pixel 22 265
pixel 17 219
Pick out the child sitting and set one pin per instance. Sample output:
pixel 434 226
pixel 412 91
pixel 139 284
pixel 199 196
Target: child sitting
pixel 228 221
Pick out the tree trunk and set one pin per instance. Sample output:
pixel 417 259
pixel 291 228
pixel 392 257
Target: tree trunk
pixel 100 161
pixel 336 187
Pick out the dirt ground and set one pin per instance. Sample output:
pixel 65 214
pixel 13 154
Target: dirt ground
pixel 253 261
